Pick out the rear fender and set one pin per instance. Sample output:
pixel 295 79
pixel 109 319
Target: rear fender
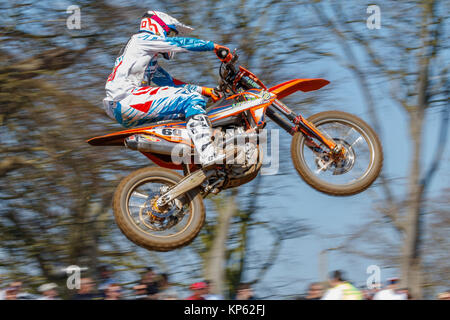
pixel 289 87
pixel 117 138
pixel 114 139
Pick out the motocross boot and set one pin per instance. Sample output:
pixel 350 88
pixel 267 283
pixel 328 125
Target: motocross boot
pixel 200 131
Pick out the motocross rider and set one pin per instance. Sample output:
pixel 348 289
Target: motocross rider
pixel 130 99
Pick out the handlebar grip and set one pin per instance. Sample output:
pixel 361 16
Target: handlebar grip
pixel 217 92
pixel 222 53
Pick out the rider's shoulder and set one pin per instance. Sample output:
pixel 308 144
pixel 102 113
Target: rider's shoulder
pixel 146 36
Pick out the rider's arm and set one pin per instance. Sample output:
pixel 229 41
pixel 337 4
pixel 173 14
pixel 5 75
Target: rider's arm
pixel 154 43
pixel 191 44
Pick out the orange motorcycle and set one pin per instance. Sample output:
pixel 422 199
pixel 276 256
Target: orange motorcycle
pixel 159 209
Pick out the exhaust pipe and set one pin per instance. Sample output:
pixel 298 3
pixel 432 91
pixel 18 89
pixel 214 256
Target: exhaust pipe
pixel 149 143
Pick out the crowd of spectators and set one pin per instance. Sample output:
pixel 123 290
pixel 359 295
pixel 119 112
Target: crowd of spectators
pixel 339 288
pixel 153 286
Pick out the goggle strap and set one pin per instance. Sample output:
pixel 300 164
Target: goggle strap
pixel 161 23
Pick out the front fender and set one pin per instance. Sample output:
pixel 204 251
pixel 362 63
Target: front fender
pixel 289 87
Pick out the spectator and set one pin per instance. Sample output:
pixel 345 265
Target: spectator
pixel 315 291
pixel 244 292
pixel 172 295
pixel 376 287
pixel 390 292
pixel 166 292
pixel 12 292
pixel 405 293
pixel 140 292
pixel 444 295
pixel 199 289
pixel 366 293
pixel 105 277
pixel 48 292
pixel 86 291
pixel 113 292
pixel 369 292
pixel 211 296
pixel 149 280
pixel 341 289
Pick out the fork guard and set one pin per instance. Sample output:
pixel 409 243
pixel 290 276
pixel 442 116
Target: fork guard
pixel 188 183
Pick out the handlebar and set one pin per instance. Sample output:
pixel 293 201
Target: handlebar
pixel 227 72
pixel 232 79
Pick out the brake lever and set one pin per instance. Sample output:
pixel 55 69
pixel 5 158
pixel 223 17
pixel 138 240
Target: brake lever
pixel 230 65
pixel 235 56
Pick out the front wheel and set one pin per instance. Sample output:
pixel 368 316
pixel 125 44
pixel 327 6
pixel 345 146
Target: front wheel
pixel 147 225
pixel 351 173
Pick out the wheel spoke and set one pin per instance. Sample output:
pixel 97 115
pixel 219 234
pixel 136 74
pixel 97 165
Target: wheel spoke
pixel 348 133
pixel 357 141
pixel 140 195
pixel 325 167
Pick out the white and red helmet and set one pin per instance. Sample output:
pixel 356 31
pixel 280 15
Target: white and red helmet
pixel 162 24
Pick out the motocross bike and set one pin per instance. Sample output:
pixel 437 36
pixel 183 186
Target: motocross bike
pixel 159 209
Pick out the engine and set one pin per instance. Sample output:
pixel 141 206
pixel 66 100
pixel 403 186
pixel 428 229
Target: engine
pixel 241 149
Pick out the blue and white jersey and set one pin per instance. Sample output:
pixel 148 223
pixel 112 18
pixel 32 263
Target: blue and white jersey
pixel 137 64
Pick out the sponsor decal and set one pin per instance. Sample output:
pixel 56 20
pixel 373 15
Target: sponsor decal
pixel 266 95
pixel 247 104
pixel 151 138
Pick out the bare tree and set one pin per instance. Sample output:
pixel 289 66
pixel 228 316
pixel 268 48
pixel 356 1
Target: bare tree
pixel 406 52
pixel 55 189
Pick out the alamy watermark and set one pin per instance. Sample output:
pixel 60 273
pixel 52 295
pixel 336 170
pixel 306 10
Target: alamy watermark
pixel 374 20
pixel 241 148
pixel 374 279
pixel 73 277
pixel 73 22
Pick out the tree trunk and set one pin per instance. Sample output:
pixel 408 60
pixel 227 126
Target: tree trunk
pixel 411 260
pixel 215 264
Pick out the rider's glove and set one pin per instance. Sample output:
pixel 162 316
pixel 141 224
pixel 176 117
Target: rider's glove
pixel 223 53
pixel 210 92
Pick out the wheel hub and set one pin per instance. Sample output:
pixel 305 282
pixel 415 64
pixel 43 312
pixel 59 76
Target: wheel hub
pixel 341 161
pixel 154 212
pixel 346 159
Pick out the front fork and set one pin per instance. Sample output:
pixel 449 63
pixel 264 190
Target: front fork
pixel 300 125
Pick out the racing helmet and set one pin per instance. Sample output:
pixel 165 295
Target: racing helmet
pixel 163 25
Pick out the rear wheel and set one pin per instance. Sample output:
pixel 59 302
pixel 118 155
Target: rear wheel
pixel 142 222
pixel 349 174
